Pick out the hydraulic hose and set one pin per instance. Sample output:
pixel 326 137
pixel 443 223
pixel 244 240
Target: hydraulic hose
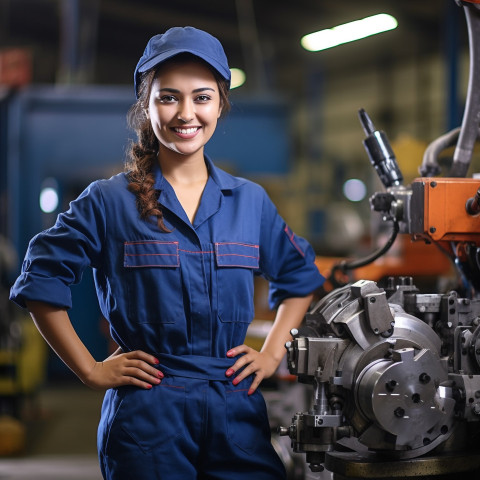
pixel 345 266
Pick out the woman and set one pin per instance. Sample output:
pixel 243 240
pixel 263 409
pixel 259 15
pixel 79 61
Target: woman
pixel 174 243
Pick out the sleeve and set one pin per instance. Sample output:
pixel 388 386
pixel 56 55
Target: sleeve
pixel 286 260
pixel 56 258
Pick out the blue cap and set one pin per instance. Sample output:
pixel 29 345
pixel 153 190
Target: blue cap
pixel 178 40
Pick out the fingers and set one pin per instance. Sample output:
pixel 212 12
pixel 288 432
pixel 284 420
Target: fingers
pixel 248 360
pixel 259 364
pixel 141 355
pixel 131 368
pixel 138 369
pixel 255 384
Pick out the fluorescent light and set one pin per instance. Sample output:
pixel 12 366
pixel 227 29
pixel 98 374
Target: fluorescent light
pixel 348 32
pixel 238 78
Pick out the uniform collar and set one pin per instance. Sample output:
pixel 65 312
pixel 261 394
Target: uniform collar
pixel 219 182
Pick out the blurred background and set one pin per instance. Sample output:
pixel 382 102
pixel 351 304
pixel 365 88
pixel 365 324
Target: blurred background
pixel 66 71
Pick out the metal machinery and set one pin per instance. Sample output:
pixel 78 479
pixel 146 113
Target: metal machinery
pixel 396 372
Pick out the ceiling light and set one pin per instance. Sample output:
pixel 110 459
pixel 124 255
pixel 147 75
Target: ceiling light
pixel 238 78
pixel 348 32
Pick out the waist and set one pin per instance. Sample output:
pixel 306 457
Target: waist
pixel 194 366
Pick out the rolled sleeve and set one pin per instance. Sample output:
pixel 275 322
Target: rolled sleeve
pixel 37 287
pixel 56 258
pixel 287 260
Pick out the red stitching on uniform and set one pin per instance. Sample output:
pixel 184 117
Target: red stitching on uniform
pixel 171 386
pixel 199 251
pixel 235 255
pixel 240 390
pixel 292 239
pixel 238 243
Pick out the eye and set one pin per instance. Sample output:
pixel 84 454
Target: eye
pixel 168 99
pixel 165 97
pixel 203 98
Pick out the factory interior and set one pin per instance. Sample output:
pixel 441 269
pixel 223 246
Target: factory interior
pixel 367 149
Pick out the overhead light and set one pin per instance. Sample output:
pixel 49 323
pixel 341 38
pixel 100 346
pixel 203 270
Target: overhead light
pixel 348 32
pixel 238 78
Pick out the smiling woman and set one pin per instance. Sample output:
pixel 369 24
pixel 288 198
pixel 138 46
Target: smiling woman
pixel 184 118
pixel 175 244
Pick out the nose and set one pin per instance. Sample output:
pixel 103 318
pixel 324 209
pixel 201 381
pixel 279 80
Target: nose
pixel 186 111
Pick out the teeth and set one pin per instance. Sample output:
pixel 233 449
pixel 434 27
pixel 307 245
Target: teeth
pixel 186 131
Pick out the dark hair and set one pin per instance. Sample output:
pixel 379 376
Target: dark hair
pixel 143 153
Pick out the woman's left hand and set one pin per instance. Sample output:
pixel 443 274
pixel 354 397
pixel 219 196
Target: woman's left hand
pixel 261 364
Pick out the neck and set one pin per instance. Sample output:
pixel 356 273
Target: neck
pixel 178 169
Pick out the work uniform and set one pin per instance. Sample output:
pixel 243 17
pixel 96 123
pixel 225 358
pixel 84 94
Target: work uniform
pixel 186 297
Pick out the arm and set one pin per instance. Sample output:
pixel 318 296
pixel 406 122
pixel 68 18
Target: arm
pixel 132 368
pixel 263 364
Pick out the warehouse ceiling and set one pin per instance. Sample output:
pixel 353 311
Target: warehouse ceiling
pixel 100 41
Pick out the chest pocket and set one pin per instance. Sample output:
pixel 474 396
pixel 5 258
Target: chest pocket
pixel 154 281
pixel 236 264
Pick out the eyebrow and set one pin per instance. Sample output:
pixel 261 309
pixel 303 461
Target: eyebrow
pixel 197 90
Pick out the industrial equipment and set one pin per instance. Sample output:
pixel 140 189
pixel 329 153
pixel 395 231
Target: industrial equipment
pixel 395 372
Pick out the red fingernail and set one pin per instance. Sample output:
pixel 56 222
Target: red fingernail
pixel 250 391
pixel 149 387
pixel 230 353
pixel 157 361
pixel 235 381
pixel 160 374
pixel 229 372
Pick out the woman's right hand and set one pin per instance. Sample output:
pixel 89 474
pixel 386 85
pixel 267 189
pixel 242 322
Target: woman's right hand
pixel 131 368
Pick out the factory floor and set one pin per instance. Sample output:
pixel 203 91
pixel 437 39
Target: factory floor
pixel 60 441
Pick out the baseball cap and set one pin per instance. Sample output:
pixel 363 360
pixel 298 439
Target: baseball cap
pixel 178 40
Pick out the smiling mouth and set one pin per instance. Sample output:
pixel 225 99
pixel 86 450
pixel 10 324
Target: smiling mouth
pixel 186 131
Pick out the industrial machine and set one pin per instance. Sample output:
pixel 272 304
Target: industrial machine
pixel 395 372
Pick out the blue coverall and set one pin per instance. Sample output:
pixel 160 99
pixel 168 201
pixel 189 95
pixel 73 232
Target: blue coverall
pixel 187 298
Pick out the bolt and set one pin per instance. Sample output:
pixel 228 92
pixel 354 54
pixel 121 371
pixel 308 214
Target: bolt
pixel 390 386
pixel 399 412
pixel 433 184
pixel 424 378
pixel 433 229
pixel 372 300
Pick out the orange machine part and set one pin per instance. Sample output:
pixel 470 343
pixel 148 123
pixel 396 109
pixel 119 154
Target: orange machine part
pixel 445 214
pixel 406 258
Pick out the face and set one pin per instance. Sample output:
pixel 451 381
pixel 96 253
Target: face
pixel 184 107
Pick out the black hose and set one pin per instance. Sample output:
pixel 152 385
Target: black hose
pixel 344 266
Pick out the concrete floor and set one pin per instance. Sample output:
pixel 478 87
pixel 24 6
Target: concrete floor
pixel 60 436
